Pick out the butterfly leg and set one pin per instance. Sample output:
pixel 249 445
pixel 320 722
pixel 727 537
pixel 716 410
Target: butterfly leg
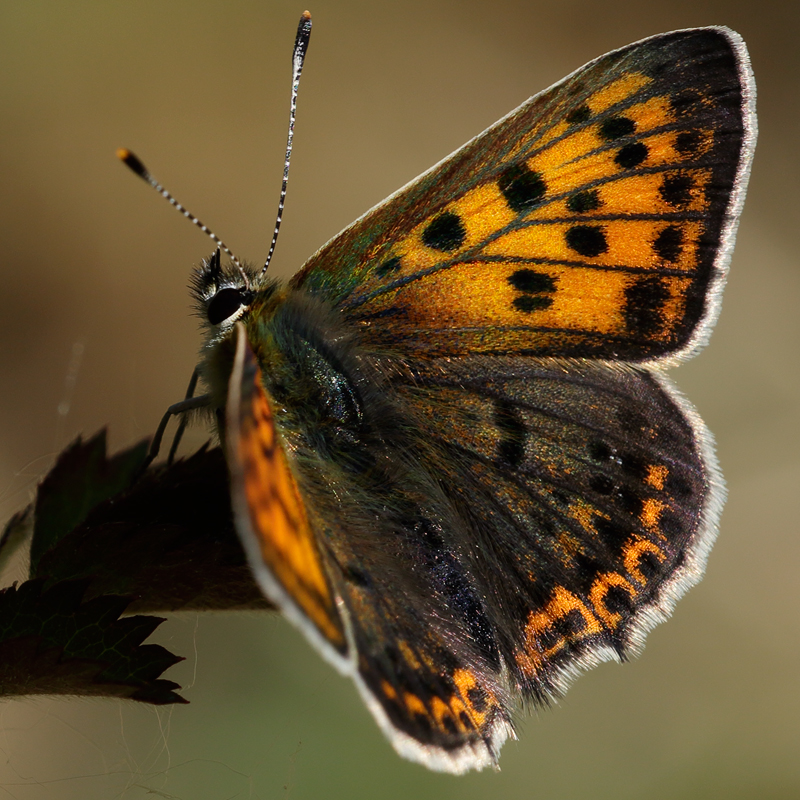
pixel 189 403
pixel 184 419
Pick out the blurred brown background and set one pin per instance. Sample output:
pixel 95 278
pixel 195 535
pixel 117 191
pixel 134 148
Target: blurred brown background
pixel 94 261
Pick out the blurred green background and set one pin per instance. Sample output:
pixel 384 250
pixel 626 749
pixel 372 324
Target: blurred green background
pixel 94 262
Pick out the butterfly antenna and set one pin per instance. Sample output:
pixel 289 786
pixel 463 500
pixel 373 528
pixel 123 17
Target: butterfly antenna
pixel 298 57
pixel 131 161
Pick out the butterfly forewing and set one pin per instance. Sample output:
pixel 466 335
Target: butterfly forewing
pixel 593 221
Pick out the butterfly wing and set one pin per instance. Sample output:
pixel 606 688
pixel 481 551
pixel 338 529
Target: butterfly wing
pixel 359 557
pixel 593 497
pixel 513 520
pixel 428 667
pixel 271 518
pixel 596 220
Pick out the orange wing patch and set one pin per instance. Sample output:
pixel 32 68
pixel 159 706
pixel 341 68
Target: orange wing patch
pixel 470 710
pixel 562 241
pixel 568 621
pixel 271 515
pixel 451 707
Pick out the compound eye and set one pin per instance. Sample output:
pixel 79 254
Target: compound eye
pixel 225 303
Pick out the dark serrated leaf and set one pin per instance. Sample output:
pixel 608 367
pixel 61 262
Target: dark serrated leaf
pixel 82 477
pixel 168 541
pixel 16 531
pixel 52 641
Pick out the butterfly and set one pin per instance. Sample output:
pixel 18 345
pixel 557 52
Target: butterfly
pixel 455 461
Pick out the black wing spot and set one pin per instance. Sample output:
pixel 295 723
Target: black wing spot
pixel 478 698
pixel 579 115
pixel 528 280
pixel 581 202
pixel 445 232
pixel 566 627
pixel 631 155
pixel 649 565
pixel 534 285
pixel 626 498
pixel 600 451
pixel 521 187
pixel 424 723
pixel 587 240
pixel 676 190
pixel 618 600
pixel 616 128
pixel 669 244
pixel 634 465
pixel 449 724
pixel 511 449
pixel 644 304
pixel 528 303
pixel 602 484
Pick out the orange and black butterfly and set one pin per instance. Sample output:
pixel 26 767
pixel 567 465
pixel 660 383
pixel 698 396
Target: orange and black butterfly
pixel 456 463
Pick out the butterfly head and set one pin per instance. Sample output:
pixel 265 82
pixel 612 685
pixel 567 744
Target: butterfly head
pixel 224 294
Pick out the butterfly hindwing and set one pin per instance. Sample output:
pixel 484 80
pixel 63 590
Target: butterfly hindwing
pixel 595 220
pixel 434 691
pixel 425 658
pixel 530 516
pixel 363 548
pixel 592 494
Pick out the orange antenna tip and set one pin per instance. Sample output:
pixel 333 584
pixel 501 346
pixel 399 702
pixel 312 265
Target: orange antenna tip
pixel 132 162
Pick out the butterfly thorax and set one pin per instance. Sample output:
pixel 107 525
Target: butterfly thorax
pixel 313 369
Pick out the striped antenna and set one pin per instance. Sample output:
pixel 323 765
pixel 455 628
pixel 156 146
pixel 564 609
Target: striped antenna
pixel 298 56
pixel 131 161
